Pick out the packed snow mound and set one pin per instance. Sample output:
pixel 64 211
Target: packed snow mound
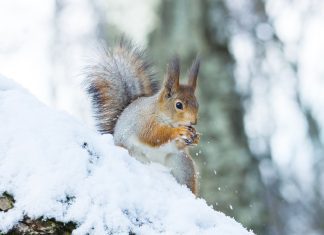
pixel 56 167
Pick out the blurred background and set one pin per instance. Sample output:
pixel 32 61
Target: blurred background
pixel 261 88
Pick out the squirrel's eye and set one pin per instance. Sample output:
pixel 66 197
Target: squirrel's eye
pixel 179 105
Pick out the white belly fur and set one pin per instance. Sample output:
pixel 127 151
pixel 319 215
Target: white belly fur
pixel 145 153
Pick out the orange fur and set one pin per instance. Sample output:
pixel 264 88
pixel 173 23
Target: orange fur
pixel 194 184
pixel 156 134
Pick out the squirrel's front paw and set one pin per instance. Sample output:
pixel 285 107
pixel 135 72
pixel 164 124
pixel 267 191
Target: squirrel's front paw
pixel 188 136
pixel 195 136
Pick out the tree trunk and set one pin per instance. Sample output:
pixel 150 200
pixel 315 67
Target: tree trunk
pixel 230 178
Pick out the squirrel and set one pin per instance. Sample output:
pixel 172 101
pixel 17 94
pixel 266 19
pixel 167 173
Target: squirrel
pixel 154 124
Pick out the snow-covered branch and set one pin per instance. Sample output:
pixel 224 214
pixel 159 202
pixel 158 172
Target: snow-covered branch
pixel 57 168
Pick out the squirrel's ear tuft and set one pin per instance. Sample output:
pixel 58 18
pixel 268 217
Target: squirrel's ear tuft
pixel 193 73
pixel 171 82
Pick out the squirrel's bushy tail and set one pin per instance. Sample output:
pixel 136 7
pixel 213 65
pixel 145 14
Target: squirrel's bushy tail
pixel 121 76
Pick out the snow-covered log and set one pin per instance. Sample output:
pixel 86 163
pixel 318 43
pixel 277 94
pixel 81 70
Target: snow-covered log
pixel 57 169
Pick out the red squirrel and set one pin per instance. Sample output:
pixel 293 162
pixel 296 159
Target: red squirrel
pixel 154 124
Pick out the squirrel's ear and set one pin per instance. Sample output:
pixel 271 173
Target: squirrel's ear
pixel 193 73
pixel 171 82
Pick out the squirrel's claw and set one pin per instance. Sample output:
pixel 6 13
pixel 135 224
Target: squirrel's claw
pixel 192 138
pixel 188 141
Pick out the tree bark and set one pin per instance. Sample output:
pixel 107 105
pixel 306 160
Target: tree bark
pixel 38 226
pixel 230 178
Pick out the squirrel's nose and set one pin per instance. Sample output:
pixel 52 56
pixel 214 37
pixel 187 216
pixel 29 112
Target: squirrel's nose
pixel 194 122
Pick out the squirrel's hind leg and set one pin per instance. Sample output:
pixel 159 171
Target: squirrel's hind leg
pixel 183 169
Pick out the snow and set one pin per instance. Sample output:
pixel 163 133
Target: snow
pixel 56 167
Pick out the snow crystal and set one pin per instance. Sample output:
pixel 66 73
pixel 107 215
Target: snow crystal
pixel 56 167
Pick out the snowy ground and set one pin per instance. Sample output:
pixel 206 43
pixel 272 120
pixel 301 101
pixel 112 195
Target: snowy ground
pixel 56 167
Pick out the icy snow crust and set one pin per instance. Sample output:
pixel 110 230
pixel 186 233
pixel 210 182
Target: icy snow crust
pixel 56 167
